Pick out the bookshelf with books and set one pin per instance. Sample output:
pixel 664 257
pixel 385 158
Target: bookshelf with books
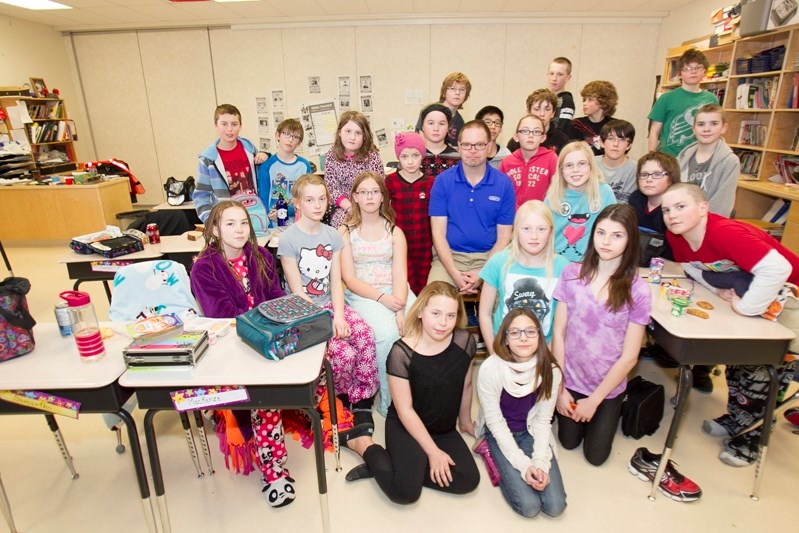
pixel 50 132
pixel 759 92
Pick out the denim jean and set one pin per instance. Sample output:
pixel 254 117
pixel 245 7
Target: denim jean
pixel 523 498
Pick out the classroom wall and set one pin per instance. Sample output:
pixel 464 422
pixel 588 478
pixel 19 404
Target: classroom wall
pixel 30 50
pixel 687 23
pixel 150 94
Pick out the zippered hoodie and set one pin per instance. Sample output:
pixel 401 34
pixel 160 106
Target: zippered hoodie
pixel 721 182
pixel 530 179
pixel 211 184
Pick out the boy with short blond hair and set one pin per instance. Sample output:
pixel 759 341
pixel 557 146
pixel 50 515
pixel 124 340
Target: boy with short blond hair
pixel 710 163
pixel 619 170
pixel 558 75
pixel 277 175
pixel 227 166
pixel 599 103
pixel 672 114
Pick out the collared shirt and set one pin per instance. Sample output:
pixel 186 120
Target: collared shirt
pixel 473 211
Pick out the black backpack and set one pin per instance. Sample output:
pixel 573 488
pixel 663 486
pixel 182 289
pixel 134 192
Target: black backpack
pixel 178 192
pixel 642 410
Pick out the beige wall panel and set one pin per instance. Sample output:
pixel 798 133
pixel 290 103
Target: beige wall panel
pixel 113 84
pixel 247 64
pixel 180 94
pixel 529 49
pixel 400 64
pixel 616 53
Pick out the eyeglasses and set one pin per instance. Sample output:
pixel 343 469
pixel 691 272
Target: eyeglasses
pixel 368 194
pixel 516 333
pixel 582 165
pixel 695 68
pixel 461 90
pixel 490 123
pixel 292 136
pixel 475 146
pixel 526 132
pixel 613 139
pixel 654 175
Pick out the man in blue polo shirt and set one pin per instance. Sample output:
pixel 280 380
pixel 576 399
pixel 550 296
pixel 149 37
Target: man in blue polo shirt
pixel 471 212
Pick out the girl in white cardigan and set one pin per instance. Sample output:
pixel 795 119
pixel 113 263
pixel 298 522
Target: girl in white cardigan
pixel 518 388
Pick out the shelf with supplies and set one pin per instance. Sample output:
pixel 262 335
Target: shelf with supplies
pixel 44 125
pixel 756 80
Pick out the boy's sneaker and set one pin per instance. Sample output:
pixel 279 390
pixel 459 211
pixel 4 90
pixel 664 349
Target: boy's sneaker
pixel 644 465
pixel 722 426
pixel 741 450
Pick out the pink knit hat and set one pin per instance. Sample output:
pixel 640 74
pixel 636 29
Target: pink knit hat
pixel 409 140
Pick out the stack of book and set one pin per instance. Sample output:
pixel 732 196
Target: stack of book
pixel 788 167
pixel 160 341
pixel 752 133
pixel 750 162
pixel 758 93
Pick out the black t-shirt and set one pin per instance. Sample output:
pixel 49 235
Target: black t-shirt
pixel 585 130
pixel 436 381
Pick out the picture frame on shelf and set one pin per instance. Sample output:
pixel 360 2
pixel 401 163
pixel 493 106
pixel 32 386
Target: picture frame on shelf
pixel 39 87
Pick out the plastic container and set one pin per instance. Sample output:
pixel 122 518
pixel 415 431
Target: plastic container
pixel 85 327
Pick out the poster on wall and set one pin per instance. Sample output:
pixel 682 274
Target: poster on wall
pixel 319 122
pixel 783 13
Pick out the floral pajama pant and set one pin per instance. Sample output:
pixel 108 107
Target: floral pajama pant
pixel 354 359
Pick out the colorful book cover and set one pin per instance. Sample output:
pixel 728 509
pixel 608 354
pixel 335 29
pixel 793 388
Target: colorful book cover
pixel 155 328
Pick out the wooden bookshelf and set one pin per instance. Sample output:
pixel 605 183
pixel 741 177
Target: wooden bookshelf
pixel 778 86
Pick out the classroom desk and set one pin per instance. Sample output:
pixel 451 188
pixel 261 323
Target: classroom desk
pixel 54 367
pixel 185 206
pixel 289 384
pixel 725 338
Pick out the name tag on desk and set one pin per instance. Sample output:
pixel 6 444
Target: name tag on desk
pixel 204 397
pixel 42 401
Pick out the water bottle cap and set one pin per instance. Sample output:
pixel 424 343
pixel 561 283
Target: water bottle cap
pixel 75 298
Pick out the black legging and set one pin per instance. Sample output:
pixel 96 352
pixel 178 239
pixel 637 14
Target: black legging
pixel 598 433
pixel 402 470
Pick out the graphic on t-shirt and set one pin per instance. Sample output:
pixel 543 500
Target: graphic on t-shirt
pixel 574 231
pixel 280 187
pixel 722 265
pixel 681 128
pixel 527 292
pixel 315 264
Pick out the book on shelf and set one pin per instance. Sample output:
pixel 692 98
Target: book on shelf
pixel 755 94
pixel 752 133
pixel 795 141
pixel 47 132
pixel 788 168
pixel 750 161
pixel 793 92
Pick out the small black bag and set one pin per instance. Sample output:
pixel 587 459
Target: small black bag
pixel 178 192
pixel 652 244
pixel 642 410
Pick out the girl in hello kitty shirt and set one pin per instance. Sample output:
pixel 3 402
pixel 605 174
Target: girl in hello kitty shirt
pixel 310 254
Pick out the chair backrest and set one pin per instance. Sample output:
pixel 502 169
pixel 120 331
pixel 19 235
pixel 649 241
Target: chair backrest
pixel 152 288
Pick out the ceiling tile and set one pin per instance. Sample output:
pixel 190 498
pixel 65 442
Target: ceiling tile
pixel 252 10
pixel 382 7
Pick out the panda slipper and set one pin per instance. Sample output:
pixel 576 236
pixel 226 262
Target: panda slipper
pixel 280 492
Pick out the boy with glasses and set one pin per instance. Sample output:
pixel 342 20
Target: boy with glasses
pixel 493 118
pixel 455 90
pixel 710 163
pixel 471 213
pixel 278 174
pixel 672 114
pixel 543 103
pixel 532 166
pixel 619 170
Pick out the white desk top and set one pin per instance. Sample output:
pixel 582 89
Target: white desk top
pixel 150 252
pixel 186 206
pixel 55 364
pixel 724 323
pixel 231 362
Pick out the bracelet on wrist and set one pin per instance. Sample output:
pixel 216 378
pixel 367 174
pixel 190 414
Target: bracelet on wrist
pixel 381 295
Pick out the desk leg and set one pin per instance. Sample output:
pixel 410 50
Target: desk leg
pixel 184 419
pixel 765 433
pixel 138 464
pixel 107 290
pixel 198 419
pixel 683 388
pixel 4 502
pixel 319 452
pixel 331 396
pixel 59 439
pixel 155 466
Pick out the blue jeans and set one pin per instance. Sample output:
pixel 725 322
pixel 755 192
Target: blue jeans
pixel 523 498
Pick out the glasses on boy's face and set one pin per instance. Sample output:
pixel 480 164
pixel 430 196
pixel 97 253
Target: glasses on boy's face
pixel 516 333
pixel 643 176
pixel 369 194
pixel 526 132
pixel 693 68
pixel 460 90
pixel 473 146
pixel 612 139
pixel 582 165
pixel 290 136
pixel 491 123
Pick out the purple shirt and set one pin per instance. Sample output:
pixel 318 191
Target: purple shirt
pixel 515 409
pixel 594 336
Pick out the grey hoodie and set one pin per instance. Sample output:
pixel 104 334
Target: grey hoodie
pixel 721 182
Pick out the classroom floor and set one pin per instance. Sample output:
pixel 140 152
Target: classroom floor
pixel 607 498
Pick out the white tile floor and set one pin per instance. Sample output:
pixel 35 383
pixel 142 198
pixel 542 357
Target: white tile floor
pixel 608 498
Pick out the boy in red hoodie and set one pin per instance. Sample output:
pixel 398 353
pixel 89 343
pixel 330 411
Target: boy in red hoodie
pixel 532 166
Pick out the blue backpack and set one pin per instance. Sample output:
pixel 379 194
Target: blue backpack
pixel 257 210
